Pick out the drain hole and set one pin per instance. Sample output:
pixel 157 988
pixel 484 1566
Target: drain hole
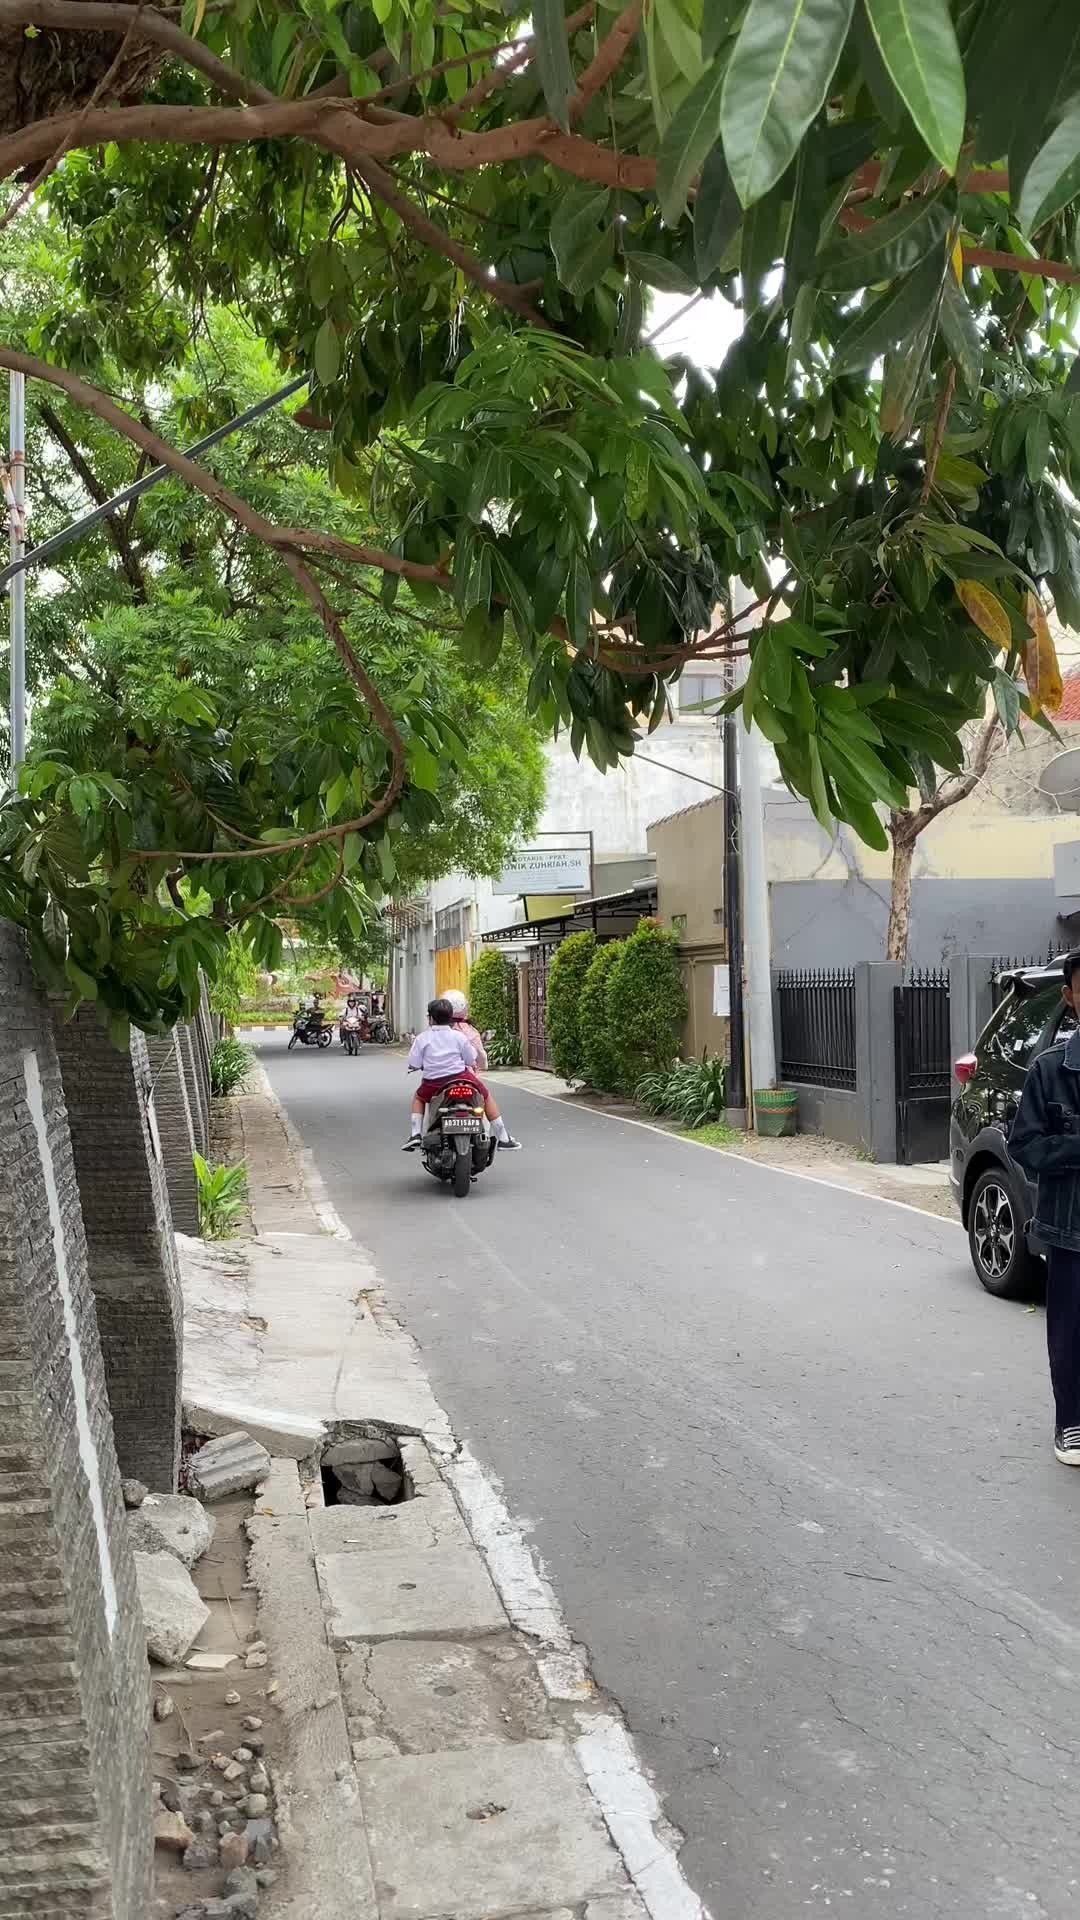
pixel 363 1473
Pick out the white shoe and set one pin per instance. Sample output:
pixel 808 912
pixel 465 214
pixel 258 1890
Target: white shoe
pixel 1067 1446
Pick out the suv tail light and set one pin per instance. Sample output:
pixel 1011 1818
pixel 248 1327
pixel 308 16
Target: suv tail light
pixel 966 1067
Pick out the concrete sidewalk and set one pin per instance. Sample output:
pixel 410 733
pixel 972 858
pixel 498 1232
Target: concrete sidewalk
pixel 446 1751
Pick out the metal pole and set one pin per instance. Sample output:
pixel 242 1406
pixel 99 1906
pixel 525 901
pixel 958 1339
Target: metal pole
pixel 85 521
pixel 736 1087
pixel 755 897
pixel 17 548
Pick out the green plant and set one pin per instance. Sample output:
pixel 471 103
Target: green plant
pixel 716 1134
pixel 599 1053
pixel 230 1066
pixel 694 1092
pixel 566 977
pixel 222 1197
pixel 646 1003
pixel 493 1006
pixel 236 981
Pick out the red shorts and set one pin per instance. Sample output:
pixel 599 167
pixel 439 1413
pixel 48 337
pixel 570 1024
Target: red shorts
pixel 428 1089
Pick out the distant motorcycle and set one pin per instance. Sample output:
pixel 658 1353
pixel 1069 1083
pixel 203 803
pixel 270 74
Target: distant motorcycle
pixel 310 1028
pixel 352 1029
pixel 458 1143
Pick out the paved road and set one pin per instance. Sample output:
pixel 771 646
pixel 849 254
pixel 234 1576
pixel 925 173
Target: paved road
pixel 789 1471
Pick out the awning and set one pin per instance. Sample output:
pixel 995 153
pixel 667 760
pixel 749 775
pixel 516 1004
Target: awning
pixel 598 916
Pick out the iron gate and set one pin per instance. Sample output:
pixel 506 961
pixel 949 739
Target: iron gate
pixel 536 1044
pixel 923 1067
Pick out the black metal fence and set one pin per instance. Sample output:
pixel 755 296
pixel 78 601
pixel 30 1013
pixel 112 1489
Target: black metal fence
pixel 1006 963
pixel 817 1025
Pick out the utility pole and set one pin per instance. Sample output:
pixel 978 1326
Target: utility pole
pixel 15 494
pixel 755 897
pixel 736 1086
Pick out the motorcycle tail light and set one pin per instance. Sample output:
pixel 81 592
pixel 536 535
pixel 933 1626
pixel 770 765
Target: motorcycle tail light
pixel 966 1067
pixel 461 1093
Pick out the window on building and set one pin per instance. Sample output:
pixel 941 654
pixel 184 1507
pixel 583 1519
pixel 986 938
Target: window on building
pixel 697 689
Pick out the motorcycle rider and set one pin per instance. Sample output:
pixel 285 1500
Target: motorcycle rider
pixel 441 1055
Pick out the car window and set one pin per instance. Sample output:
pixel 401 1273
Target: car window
pixel 1017 1034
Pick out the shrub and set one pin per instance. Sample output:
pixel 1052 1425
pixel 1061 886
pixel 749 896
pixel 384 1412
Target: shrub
pixel 566 977
pixel 222 1197
pixel 493 1005
pixel 646 1003
pixel 599 1054
pixel 230 1066
pixel 235 981
pixel 693 1092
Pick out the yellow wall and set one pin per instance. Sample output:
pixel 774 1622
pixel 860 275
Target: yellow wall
pixel 956 846
pixel 451 969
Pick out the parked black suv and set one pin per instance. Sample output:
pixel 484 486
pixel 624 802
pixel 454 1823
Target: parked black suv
pixel 996 1200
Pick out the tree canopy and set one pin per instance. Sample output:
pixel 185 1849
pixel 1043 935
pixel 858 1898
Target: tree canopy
pixel 453 217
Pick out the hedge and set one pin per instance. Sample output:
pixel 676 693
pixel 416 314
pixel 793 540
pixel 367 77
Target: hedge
pixel 566 976
pixel 599 1053
pixel 493 1005
pixel 646 1003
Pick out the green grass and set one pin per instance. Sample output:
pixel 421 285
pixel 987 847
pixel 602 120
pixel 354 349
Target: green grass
pixel 716 1134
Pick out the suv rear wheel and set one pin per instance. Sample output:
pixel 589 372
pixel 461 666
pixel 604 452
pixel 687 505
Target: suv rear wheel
pixel 999 1251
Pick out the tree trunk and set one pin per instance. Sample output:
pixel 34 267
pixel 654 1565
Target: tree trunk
pixel 903 833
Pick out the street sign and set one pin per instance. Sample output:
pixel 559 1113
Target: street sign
pixel 545 870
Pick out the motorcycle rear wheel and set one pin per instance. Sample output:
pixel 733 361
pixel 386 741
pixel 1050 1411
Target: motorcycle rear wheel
pixel 325 1037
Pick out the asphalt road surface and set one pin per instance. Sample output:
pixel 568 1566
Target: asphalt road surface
pixel 789 1471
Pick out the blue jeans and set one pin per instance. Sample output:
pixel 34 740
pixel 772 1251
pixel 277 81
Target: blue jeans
pixel 1063 1332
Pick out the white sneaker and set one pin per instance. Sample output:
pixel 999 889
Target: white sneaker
pixel 1067 1446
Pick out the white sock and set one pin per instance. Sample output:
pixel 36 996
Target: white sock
pixel 416 1125
pixel 500 1129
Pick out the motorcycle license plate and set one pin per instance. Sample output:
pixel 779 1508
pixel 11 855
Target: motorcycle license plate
pixel 461 1123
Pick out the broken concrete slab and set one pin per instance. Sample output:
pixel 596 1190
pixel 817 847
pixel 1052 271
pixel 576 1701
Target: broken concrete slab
pixel 419 1525
pixel 286 1435
pixel 493 1829
pixel 363 1451
pixel 393 1595
pixel 431 1696
pixel 171 1523
pixel 173 1612
pixel 232 1464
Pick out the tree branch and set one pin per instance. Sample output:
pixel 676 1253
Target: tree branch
pixel 505 292
pixel 115 523
pixel 607 58
pixel 938 435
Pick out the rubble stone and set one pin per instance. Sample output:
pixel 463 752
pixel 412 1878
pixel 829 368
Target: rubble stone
pixel 232 1464
pixel 164 1706
pixel 134 1492
pixel 173 1612
pixel 235 1848
pixel 171 1830
pixel 173 1523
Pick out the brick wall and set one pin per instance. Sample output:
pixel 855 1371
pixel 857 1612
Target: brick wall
pixel 74 1691
pixel 176 1127
pixel 130 1244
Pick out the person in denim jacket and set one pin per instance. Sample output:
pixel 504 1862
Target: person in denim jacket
pixel 1045 1141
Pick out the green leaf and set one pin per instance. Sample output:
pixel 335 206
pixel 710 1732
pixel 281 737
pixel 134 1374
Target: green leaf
pixel 423 767
pixel 717 16
pixel 582 239
pixel 717 214
pixel 687 143
pixel 1007 700
pixel 327 354
pixel 682 40
pixel 892 317
pixel 553 58
pixel 777 79
pixel 1036 446
pixel 658 271
pixel 894 244
pixel 961 335
pixel 917 41
pixel 761 246
pixel 819 793
pixel 79 978
pixel 1053 178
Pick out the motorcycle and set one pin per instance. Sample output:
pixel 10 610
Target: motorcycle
pixel 351 1029
pixel 458 1142
pixel 310 1028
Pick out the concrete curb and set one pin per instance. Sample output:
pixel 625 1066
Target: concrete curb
pixel 323 1208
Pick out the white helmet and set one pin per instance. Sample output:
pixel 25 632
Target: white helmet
pixel 458 1001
